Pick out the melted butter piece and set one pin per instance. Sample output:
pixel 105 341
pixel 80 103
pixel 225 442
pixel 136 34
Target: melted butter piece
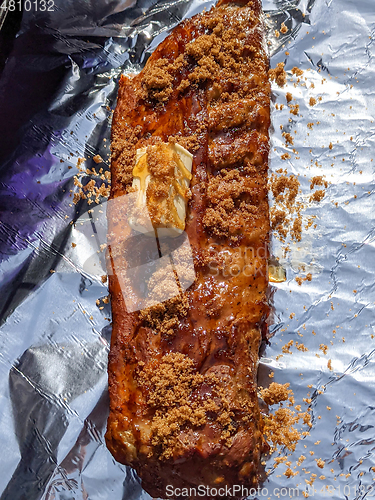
pixel 167 213
pixel 276 273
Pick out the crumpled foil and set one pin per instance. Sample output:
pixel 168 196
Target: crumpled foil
pixel 57 93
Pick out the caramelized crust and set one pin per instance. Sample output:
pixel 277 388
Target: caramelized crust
pixel 182 373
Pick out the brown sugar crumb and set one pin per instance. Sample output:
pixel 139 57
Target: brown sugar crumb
pixel 320 463
pixel 294 109
pixel 296 231
pixel 97 159
pixel 280 427
pixel 285 214
pixel 288 97
pixel 172 387
pixel 283 28
pixel 122 146
pixel 190 142
pixel 183 86
pixel 285 156
pixel 227 214
pixel 74 245
pixel 279 222
pixel 278 75
pixel 310 125
pixel 104 278
pixel 329 364
pixel 330 145
pixel 301 347
pixel 297 71
pixel 300 280
pixel 317 196
pixel 312 479
pixel 165 316
pixel 312 101
pixel 157 78
pixel 277 33
pixel 290 473
pixel 90 191
pixel 288 138
pixel 276 393
pixel 286 348
pixel 280 460
pixel 80 162
pixel 318 180
pixel 323 348
pixel 215 55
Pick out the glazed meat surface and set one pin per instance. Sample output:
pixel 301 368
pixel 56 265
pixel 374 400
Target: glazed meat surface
pixel 182 372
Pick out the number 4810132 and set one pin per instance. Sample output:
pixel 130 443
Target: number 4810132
pixel 28 5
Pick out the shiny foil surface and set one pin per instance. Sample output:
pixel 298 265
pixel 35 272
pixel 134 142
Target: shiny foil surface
pixel 57 93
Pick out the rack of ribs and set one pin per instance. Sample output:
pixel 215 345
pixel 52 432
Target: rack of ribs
pixel 190 150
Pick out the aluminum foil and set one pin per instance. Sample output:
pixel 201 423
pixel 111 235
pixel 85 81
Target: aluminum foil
pixel 57 93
